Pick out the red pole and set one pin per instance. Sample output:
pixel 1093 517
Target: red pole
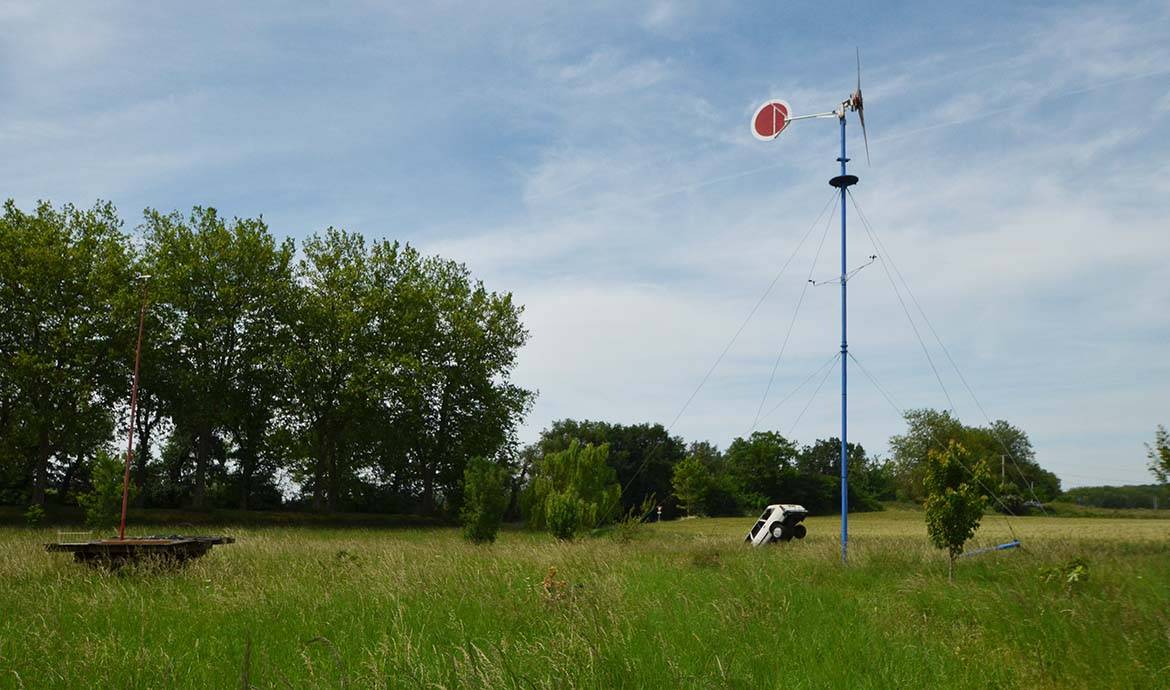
pixel 133 418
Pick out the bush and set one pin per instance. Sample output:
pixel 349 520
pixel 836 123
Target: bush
pixel 575 489
pixel 103 502
pixel 626 529
pixel 1070 576
pixel 485 498
pixel 564 514
pixel 34 516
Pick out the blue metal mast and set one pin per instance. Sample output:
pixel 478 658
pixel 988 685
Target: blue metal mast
pixel 843 182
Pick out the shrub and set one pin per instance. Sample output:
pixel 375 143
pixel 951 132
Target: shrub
pixel 629 526
pixel 564 516
pixel 1069 576
pixel 34 516
pixel 103 502
pixel 485 498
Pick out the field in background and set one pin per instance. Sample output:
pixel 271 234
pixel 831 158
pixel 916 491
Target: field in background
pixel 681 604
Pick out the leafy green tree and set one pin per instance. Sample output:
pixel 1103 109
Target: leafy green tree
pixel 1159 455
pixel 926 431
pixel 722 496
pixel 65 325
pixel 934 430
pixel 707 453
pixel 401 370
pixel 218 286
pixel 869 478
pixel 485 498
pixel 1008 443
pixel 692 482
pixel 759 466
pixel 331 361
pixel 449 391
pixel 578 475
pixel 642 455
pixel 954 499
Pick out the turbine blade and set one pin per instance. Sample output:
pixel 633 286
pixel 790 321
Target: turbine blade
pixel 861 106
pixel 864 135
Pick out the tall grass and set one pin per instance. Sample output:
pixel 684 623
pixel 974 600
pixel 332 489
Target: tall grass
pixel 682 604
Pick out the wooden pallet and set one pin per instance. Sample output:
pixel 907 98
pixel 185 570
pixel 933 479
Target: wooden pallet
pixel 116 552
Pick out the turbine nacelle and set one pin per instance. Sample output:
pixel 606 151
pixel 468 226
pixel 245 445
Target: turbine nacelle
pixel 774 116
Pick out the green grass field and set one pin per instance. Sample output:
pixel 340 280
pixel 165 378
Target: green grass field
pixel 681 604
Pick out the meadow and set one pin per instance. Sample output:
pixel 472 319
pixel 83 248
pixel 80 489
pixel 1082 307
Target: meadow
pixel 679 604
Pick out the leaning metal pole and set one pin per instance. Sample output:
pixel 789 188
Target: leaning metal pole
pixel 842 182
pixel 133 417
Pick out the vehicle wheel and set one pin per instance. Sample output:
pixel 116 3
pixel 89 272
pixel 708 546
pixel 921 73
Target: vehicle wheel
pixel 779 533
pixel 799 531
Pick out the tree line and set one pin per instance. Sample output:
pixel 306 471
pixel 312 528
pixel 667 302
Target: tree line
pixel 363 374
pixel 582 474
pixel 653 467
pixel 352 375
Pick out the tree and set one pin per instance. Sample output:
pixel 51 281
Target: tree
pixel 868 477
pixel 1159 455
pixel 954 500
pixel 65 343
pixel 692 481
pixel 401 371
pixel 642 455
pixel 330 363
pixel 926 431
pixel 759 466
pixel 721 497
pixel 934 430
pixel 575 483
pixel 485 498
pixel 448 382
pixel 218 286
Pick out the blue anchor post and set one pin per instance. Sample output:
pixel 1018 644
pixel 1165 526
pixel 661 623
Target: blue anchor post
pixel 843 182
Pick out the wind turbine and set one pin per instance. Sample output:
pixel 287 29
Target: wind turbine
pixel 770 119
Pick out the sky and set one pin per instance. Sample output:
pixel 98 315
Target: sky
pixel 595 160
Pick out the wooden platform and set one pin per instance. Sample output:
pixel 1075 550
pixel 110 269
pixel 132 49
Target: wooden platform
pixel 115 552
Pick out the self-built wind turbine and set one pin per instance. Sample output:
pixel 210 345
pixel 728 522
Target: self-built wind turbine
pixel 770 119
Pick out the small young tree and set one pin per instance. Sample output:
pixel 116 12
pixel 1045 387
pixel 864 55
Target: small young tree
pixel 485 498
pixel 954 502
pixel 1159 455
pixel 692 481
pixel 103 502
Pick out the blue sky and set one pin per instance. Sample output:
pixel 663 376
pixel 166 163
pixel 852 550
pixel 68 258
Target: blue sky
pixel 595 160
